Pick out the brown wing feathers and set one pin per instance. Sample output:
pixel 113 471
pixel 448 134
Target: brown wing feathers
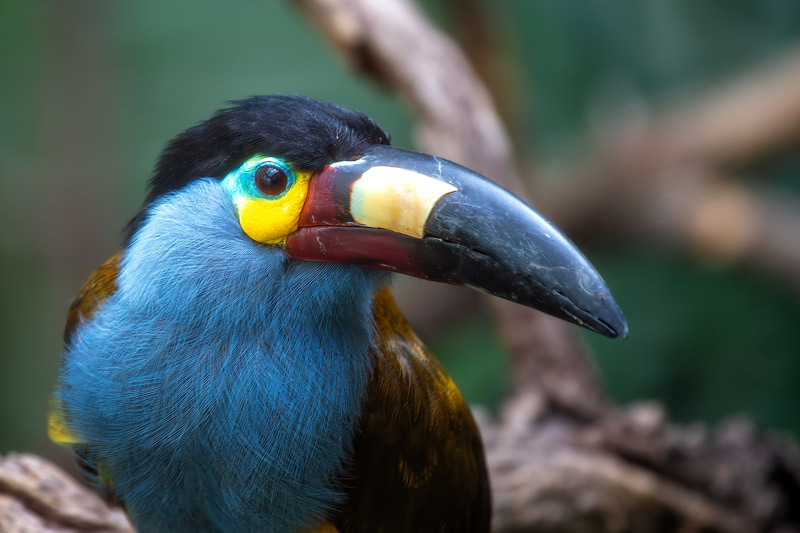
pixel 100 285
pixel 419 463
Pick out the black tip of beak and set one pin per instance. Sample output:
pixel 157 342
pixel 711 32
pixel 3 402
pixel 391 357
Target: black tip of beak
pixel 587 303
pixel 508 250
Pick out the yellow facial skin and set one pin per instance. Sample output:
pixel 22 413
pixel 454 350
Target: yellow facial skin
pixel 267 219
pixel 271 220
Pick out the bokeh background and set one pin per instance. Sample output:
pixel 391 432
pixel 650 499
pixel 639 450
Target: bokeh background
pixel 91 90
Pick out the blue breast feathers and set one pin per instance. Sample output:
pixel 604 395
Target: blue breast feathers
pixel 219 387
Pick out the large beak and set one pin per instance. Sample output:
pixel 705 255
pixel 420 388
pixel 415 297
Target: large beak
pixel 428 217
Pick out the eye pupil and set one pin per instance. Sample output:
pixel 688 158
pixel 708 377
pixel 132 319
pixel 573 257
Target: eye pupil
pixel 271 180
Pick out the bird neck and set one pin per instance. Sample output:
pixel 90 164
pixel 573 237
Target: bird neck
pixel 262 360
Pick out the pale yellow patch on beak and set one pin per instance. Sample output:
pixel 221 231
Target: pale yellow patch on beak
pixel 272 220
pixel 396 199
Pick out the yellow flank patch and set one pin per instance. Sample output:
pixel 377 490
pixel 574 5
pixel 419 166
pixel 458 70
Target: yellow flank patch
pixel 104 475
pixel 396 199
pixel 57 429
pixel 270 220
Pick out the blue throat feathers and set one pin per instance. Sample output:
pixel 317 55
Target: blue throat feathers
pixel 221 373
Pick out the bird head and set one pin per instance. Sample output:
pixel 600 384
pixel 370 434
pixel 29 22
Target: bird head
pixel 321 183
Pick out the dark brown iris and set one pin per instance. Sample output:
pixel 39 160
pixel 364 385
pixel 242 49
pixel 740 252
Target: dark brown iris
pixel 271 180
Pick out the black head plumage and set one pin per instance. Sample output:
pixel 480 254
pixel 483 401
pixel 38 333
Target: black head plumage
pixel 306 132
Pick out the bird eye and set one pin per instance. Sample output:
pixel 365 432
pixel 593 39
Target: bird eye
pixel 271 180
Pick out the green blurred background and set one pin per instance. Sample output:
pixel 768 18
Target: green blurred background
pixel 91 91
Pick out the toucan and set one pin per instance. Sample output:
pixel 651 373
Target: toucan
pixel 241 365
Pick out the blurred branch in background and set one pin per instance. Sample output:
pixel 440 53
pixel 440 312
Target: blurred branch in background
pixel 677 177
pixel 38 497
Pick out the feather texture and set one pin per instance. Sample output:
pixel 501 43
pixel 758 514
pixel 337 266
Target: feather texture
pixel 198 385
pixel 419 462
pixel 213 384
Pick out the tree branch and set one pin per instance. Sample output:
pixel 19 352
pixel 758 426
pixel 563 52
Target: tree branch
pixel 38 497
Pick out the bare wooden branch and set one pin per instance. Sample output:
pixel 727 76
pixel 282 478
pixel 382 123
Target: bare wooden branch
pixel 633 471
pixel 38 497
